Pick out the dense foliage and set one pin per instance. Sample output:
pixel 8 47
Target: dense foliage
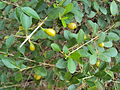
pixel 60 44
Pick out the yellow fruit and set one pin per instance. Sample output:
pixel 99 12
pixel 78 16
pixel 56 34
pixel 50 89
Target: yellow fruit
pixel 72 26
pixel 32 47
pixel 101 44
pixel 37 77
pixel 98 63
pixel 50 32
pixel 6 37
pixel 21 28
pixel 85 37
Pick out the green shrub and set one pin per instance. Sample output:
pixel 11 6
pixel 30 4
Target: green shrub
pixel 39 50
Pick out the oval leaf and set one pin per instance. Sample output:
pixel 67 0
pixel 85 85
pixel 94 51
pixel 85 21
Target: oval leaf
pixel 2 5
pixel 26 21
pixel 114 8
pixel 65 49
pixel 80 37
pixel 113 36
pixel 93 59
pixel 55 47
pixel 101 37
pixel 71 65
pixel 10 41
pixel 29 11
pixel 61 64
pixel 40 71
pixel 112 52
pixel 9 63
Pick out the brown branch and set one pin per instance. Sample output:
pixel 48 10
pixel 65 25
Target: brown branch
pixel 40 63
pixel 16 85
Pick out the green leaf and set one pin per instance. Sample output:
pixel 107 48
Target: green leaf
pixel 55 47
pixel 96 6
pixel 75 55
pixel 29 11
pixel 18 12
pixel 94 26
pixel 113 36
pixel 66 2
pixel 110 73
pixel 114 8
pixel 80 37
pixel 65 49
pixel 10 41
pixel 9 63
pixel 117 58
pixel 2 5
pixel 103 10
pixel 74 80
pixel 55 13
pixel 18 76
pixel 71 87
pixel 63 21
pixel 39 35
pixel 93 59
pixel 101 37
pixel 67 76
pixel 99 85
pixel 91 15
pixel 61 64
pixel 108 44
pixel 49 54
pixel 67 34
pixel 78 15
pixel 116 68
pixel 112 52
pixel 26 21
pixel 14 0
pixel 104 57
pixel 116 84
pixel 22 49
pixel 68 8
pixel 84 53
pixel 86 67
pixel 117 24
pixel 71 65
pixel 91 49
pixel 100 73
pixel 40 71
pixel 103 65
pixel 102 23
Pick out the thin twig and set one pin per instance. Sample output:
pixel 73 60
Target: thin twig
pixel 28 37
pixel 40 63
pixel 27 79
pixel 16 85
pixel 83 45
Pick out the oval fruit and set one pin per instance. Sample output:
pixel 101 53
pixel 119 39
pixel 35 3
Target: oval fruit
pixel 32 47
pixel 85 37
pixel 6 37
pixel 50 32
pixel 98 63
pixel 101 44
pixel 72 26
pixel 21 28
pixel 37 77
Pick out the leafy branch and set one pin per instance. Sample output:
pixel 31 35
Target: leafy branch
pixel 28 37
pixel 95 38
